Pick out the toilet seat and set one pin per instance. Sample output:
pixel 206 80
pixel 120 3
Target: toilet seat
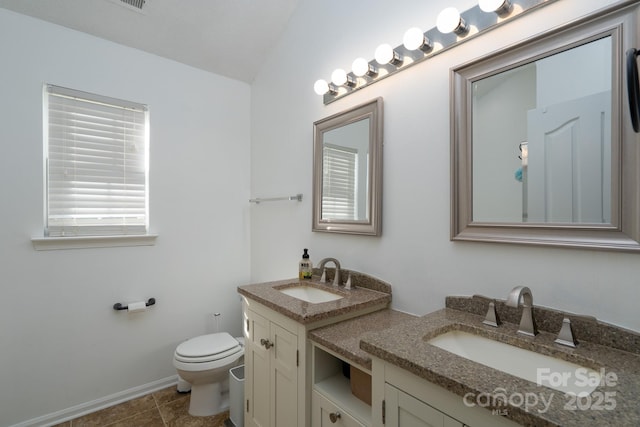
pixel 207 348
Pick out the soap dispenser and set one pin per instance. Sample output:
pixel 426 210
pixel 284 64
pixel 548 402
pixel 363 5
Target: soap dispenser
pixel 305 268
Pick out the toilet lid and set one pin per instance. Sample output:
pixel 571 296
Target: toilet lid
pixel 209 346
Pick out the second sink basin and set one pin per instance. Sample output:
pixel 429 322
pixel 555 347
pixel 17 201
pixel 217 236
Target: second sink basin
pixel 548 371
pixel 310 294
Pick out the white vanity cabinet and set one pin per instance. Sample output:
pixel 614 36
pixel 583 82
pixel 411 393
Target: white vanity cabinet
pixel 400 398
pixel 278 385
pixel 274 368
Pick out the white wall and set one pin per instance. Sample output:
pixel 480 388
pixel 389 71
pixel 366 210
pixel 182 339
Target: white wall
pixel 556 82
pixel 495 150
pixel 414 252
pixel 61 343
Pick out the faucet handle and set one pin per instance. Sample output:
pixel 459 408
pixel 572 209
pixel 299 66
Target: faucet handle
pixel 566 337
pixel 491 318
pixel 348 284
pixel 323 278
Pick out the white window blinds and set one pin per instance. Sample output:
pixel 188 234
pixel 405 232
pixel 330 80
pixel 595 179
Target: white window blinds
pixel 96 160
pixel 339 182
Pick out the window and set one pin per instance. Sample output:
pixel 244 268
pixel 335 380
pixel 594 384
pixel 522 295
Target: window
pixel 339 182
pixel 96 160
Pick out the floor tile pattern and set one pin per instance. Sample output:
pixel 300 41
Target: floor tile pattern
pixel 164 408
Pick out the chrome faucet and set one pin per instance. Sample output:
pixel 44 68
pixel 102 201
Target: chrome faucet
pixel 527 325
pixel 336 278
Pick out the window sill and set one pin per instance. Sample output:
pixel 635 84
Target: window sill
pixel 84 242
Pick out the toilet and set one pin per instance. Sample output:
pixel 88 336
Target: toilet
pixel 204 362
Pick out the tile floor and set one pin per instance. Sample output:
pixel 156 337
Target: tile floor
pixel 164 408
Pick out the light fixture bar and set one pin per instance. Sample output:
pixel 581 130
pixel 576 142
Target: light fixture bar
pixel 476 19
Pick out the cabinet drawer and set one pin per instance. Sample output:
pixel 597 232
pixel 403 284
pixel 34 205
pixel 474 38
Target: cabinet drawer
pixel 322 410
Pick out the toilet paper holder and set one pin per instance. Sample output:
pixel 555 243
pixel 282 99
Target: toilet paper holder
pixel 119 306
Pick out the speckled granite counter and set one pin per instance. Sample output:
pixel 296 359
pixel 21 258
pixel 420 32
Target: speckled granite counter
pixel 405 345
pixel 367 294
pixel 344 337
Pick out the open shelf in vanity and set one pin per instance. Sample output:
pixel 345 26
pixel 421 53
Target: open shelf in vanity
pixel 335 381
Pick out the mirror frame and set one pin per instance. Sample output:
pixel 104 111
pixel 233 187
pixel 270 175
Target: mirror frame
pixel 373 224
pixel 623 234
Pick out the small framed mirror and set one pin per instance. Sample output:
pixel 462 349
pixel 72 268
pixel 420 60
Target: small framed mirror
pixel 542 149
pixel 347 171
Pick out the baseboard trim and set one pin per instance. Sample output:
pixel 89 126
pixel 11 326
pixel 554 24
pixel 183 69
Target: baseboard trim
pixel 98 404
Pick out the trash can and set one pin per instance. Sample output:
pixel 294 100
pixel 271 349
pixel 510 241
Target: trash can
pixel 236 396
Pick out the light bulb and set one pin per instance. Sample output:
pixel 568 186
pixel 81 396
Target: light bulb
pixel 414 39
pixel 321 87
pixel 360 67
pixel 500 7
pixel 384 54
pixel 339 77
pixel 449 21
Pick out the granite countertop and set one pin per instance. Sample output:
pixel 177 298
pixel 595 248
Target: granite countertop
pixel 613 403
pixel 367 293
pixel 344 337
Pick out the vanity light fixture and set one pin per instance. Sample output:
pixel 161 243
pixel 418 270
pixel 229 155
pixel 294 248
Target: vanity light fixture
pixel 500 7
pixel 415 39
pixel 385 54
pixel 452 28
pixel 450 21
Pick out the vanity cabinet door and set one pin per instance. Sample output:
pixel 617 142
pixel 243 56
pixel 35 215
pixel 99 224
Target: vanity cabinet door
pixel 408 400
pixel 271 374
pixel 284 377
pixel 405 410
pixel 257 379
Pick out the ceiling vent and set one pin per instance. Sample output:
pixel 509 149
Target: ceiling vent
pixel 138 4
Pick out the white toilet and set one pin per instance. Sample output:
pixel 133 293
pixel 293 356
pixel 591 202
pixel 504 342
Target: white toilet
pixel 204 362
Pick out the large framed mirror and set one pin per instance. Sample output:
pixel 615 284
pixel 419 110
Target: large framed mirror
pixel 542 149
pixel 347 171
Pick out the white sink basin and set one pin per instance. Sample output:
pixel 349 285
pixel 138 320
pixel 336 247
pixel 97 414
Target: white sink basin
pixel 543 370
pixel 310 294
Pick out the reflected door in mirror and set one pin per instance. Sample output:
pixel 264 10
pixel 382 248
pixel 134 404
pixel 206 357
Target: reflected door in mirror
pixel 568 177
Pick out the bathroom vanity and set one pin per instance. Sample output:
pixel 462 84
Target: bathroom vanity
pixel 277 352
pixel 354 362
pixel 411 375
